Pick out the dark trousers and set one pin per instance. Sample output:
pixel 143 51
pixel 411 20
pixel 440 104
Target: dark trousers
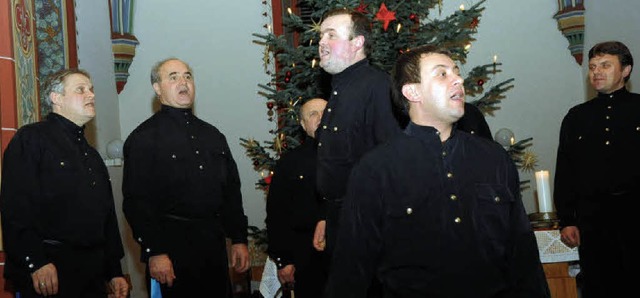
pixel 332 225
pixel 198 253
pixel 80 273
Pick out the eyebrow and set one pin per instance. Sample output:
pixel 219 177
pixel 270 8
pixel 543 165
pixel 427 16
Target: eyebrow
pixel 175 72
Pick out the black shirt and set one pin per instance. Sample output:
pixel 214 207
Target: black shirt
pixel 177 166
pixel 433 219
pixel 56 188
pixel 358 116
pixel 292 205
pixel 597 163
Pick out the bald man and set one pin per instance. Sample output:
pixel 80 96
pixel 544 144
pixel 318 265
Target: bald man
pixel 292 206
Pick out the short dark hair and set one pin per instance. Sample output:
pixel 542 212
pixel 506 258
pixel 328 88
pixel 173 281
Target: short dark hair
pixel 55 82
pixel 407 71
pixel 614 48
pixel 361 25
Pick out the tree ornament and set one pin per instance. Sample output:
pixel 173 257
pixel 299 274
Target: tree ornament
pixel 255 163
pixel 474 23
pixel 480 82
pixel 385 16
pixel 267 179
pixel 270 105
pixel 270 113
pixel 413 17
pixel 529 161
pixel 362 8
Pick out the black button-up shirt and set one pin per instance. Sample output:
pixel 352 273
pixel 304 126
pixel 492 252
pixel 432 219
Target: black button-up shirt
pixel 435 219
pixel 178 167
pixel 358 116
pixel 597 164
pixel 56 188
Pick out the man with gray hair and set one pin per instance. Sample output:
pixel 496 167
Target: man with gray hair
pixel 59 223
pixel 182 193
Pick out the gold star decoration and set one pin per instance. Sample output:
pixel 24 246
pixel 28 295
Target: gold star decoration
pixel 529 161
pixel 315 27
pixel 266 58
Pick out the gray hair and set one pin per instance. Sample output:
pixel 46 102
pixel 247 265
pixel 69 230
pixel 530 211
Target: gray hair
pixel 55 83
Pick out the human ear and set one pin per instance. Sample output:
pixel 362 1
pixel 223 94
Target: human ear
pixel 410 92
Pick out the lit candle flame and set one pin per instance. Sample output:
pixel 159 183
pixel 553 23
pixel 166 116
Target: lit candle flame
pixel 461 6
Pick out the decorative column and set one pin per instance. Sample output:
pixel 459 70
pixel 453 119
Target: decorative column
pixel 123 42
pixel 570 17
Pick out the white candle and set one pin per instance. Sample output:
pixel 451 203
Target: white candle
pixel 544 192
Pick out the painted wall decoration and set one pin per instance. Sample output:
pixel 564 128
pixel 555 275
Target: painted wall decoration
pixel 53 35
pixel 570 17
pixel 25 61
pixel 123 42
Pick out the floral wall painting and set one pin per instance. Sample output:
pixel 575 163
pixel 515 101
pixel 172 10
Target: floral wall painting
pixel 570 17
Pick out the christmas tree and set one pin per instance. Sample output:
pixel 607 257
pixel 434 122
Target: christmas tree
pixel 291 61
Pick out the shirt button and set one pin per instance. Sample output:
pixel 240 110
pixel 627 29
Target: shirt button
pixel 335 92
pixel 197 151
pixel 409 210
pixel 324 127
pixel 453 197
pixel 606 143
pixel 85 154
pixel 301 177
pixel 173 156
pixel 93 183
pixel 62 163
pixel 449 175
pixel 335 128
pixel 30 265
pixel 148 250
pixel 200 167
pixel 607 117
pixel 319 144
pixel 457 220
pixel 606 129
pixel 444 153
pixel 27 258
pixel 329 110
pixel 638 128
pixel 579 137
pixel 472 132
pixel 193 137
pixel 139 239
pixel 497 199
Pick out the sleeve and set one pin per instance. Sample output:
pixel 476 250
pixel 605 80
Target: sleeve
pixel 234 220
pixel 564 197
pixel 359 240
pixel 381 113
pixel 115 251
pixel 279 211
pixel 139 206
pixel 525 269
pixel 18 202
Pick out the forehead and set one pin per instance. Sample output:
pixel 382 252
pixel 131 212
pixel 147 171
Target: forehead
pixel 434 60
pixel 601 58
pixel 314 105
pixel 173 66
pixel 76 78
pixel 336 22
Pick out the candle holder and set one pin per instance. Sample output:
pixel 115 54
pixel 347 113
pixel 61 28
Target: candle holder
pixel 544 220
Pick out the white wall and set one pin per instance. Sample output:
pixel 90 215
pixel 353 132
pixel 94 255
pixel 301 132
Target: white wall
pixel 215 38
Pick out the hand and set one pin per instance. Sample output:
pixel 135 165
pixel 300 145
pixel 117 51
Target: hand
pixel 570 236
pixel 240 257
pixel 45 280
pixel 285 275
pixel 161 269
pixel 318 236
pixel 118 287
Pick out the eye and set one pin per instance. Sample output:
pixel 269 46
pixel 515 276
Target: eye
pixel 172 77
pixel 188 77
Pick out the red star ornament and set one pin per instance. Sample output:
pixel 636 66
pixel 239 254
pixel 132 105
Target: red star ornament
pixel 362 8
pixel 385 16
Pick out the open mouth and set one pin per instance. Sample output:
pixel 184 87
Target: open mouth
pixel 458 95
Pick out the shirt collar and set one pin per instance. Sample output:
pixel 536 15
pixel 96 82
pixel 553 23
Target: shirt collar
pixel 349 71
pixel 72 128
pixel 622 92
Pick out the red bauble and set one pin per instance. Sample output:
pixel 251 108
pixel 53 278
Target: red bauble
pixel 255 163
pixel 413 17
pixel 480 82
pixel 284 145
pixel 270 105
pixel 267 179
pixel 287 79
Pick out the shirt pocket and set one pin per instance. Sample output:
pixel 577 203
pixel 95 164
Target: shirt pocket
pixel 494 211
